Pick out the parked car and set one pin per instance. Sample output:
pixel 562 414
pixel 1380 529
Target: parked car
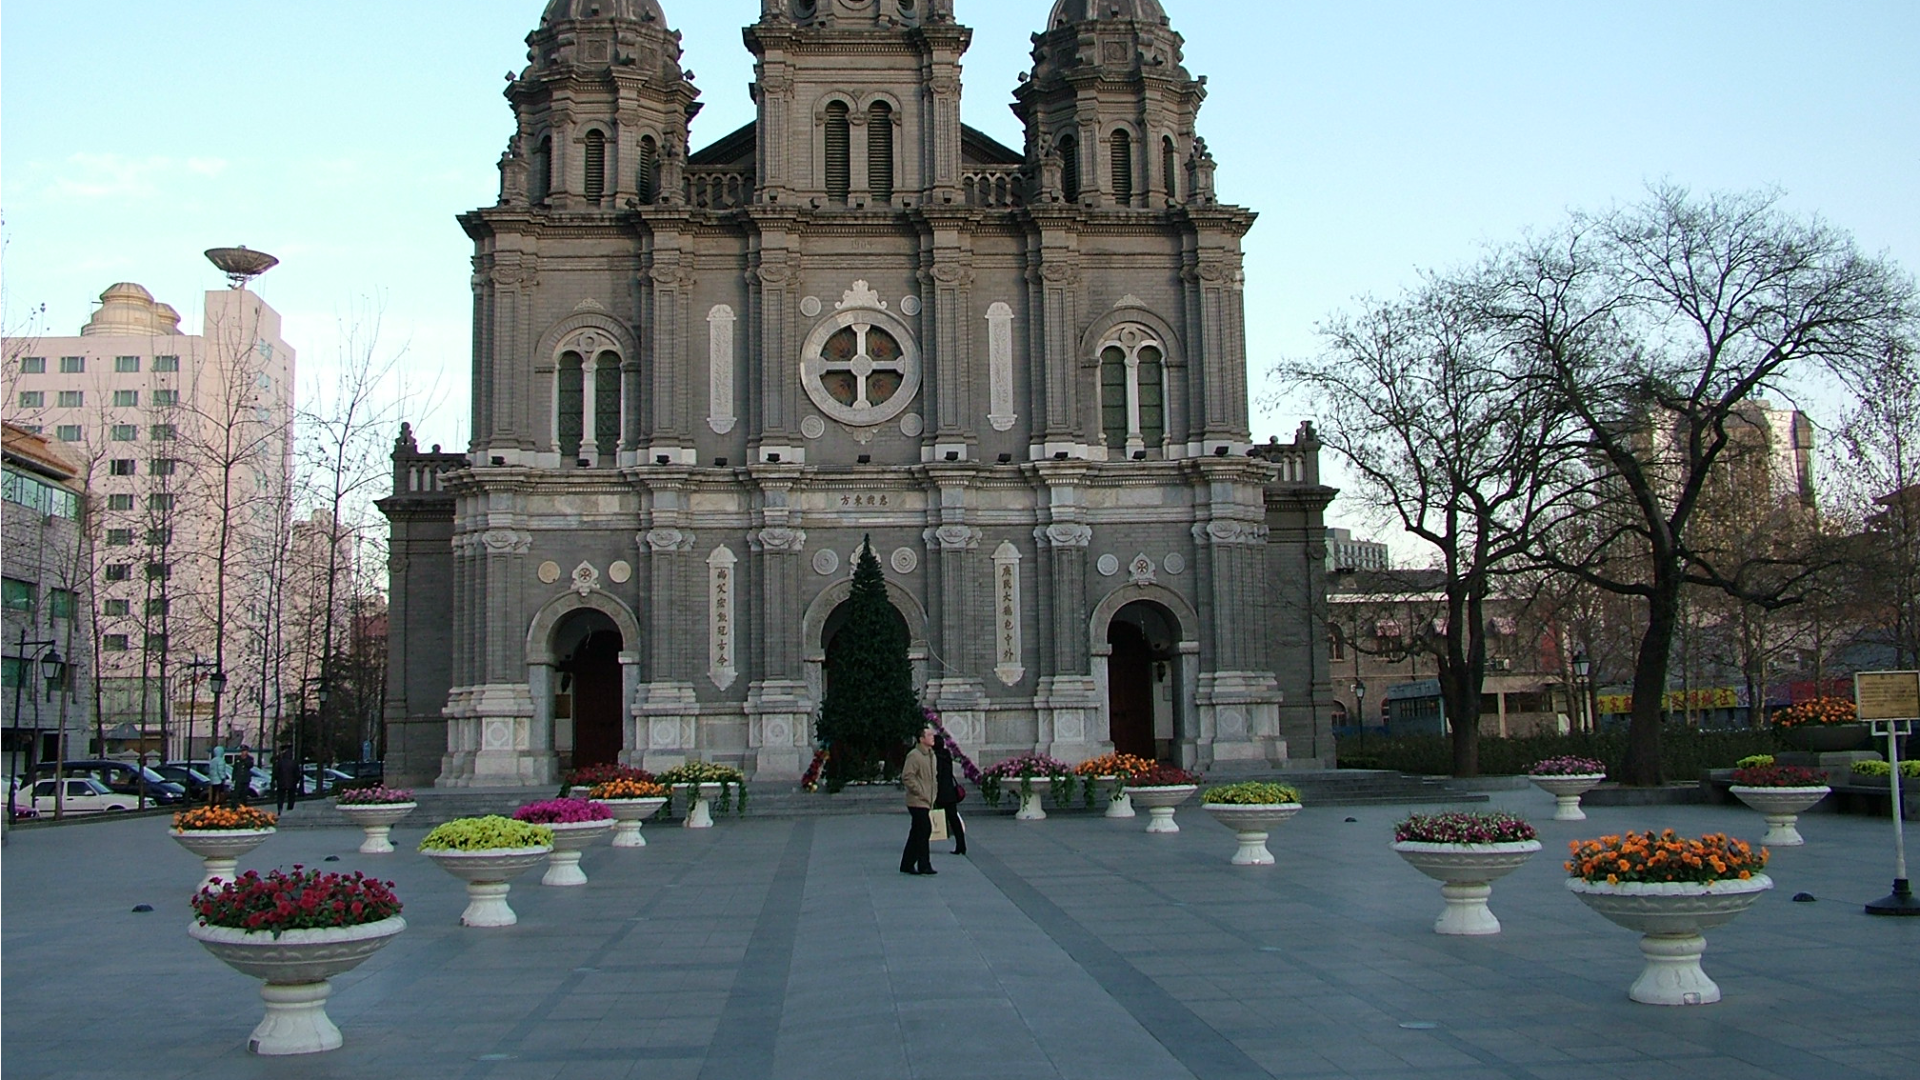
pixel 262 779
pixel 362 770
pixel 315 781
pixel 84 795
pixel 123 777
pixel 186 776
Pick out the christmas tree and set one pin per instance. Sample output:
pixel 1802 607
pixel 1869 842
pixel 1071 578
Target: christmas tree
pixel 871 710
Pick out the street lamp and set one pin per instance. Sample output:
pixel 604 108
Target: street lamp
pixel 1582 667
pixel 51 663
pixel 1360 705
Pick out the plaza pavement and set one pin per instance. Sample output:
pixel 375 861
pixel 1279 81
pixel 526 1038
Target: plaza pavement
pixel 1075 947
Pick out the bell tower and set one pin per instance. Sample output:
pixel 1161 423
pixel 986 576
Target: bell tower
pixel 603 108
pixel 859 102
pixel 1109 110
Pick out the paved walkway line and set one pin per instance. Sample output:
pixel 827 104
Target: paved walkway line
pixel 749 1027
pixel 1192 1041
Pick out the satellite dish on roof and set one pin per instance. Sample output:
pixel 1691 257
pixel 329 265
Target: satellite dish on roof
pixel 241 265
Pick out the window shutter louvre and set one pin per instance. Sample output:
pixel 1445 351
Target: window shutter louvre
pixel 839 171
pixel 1122 149
pixel 880 152
pixel 596 165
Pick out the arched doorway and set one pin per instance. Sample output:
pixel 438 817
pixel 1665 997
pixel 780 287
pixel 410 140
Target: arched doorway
pixel 832 644
pixel 1140 679
pixel 587 689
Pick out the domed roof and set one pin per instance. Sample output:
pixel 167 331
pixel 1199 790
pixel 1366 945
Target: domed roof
pixel 1073 11
pixel 128 309
pixel 642 11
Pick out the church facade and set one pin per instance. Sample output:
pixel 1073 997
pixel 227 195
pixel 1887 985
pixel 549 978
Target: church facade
pixel 703 380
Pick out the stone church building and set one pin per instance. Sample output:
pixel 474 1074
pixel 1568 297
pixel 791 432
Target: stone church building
pixel 702 376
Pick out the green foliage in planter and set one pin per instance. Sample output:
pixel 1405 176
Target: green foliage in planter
pixel 1909 770
pixel 871 708
pixel 1754 761
pixel 1250 793
pixel 1685 752
pixel 733 784
pixel 486 834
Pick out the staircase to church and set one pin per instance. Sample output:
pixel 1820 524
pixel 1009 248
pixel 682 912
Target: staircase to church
pixel 1318 787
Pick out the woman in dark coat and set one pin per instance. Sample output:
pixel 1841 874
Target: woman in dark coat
pixel 947 795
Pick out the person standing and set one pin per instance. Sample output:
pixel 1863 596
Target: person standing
pixel 217 774
pixel 243 776
pixel 286 779
pixel 946 797
pixel 918 777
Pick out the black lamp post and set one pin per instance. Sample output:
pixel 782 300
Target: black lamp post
pixel 1582 667
pixel 1360 705
pixel 26 654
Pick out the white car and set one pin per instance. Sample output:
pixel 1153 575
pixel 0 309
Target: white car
pixel 85 795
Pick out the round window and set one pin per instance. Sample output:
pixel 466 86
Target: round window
pixel 860 367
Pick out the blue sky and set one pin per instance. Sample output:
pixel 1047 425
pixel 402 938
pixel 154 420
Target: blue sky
pixel 1375 139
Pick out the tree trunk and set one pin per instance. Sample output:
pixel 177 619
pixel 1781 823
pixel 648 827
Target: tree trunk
pixel 1642 766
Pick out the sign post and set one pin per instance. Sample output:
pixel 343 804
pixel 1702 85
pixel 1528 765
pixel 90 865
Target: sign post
pixel 1889 701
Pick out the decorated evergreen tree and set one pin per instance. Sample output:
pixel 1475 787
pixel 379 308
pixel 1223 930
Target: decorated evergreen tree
pixel 871 709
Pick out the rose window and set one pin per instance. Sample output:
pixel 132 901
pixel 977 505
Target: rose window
pixel 860 367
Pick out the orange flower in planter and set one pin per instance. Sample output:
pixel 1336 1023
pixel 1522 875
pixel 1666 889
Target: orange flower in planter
pixel 1816 711
pixel 202 818
pixel 1663 857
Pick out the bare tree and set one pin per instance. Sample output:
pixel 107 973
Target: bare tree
pixel 1435 407
pixel 1657 325
pixel 1879 487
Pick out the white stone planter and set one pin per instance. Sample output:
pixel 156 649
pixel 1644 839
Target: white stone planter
pixel 1119 803
pixel 1251 822
pixel 1566 792
pixel 376 820
pixel 295 968
pixel 487 874
pixel 1030 796
pixel 1782 807
pixel 1160 802
pixel 1466 873
pixel 699 814
pixel 219 849
pixel 628 814
pixel 1673 919
pixel 571 840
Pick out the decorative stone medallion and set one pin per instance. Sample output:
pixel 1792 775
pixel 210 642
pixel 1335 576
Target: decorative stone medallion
pixel 1174 563
pixel 813 427
pixel 585 578
pixel 1108 565
pixel 620 571
pixel 810 306
pixel 904 560
pixel 549 572
pixel 825 561
pixel 909 305
pixel 911 425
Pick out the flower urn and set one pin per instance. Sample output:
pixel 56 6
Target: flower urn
pixel 1251 822
pixel 295 967
pixel 1160 802
pixel 1030 790
pixel 698 796
pixel 571 839
pixel 628 814
pixel 376 820
pixel 1119 803
pixel 1782 807
pixel 1466 873
pixel 219 850
pixel 1566 792
pixel 1672 918
pixel 488 872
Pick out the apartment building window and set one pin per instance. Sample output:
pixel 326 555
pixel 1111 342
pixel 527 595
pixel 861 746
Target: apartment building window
pixel 126 399
pixel 160 500
pixel 119 572
pixel 33 365
pixel 73 365
pixel 119 537
pixel 116 607
pixel 162 466
pixel 159 571
pixel 121 501
pixel 31 429
pixel 72 399
pixel 114 643
pixel 126 364
pixel 69 433
pixel 121 467
pixel 20 595
pixel 163 432
pixel 126 432
pixel 159 537
pixel 156 643
pixel 166 363
pixel 166 399
pixel 157 606
pixel 60 603
pixel 33 399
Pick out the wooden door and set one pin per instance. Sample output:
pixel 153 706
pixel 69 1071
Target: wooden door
pixel 1130 690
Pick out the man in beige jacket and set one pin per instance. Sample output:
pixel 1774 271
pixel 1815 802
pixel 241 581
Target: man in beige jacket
pixel 918 776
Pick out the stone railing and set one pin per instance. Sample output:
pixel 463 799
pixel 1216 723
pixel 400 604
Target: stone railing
pixel 1297 462
pixel 719 189
pixel 993 185
pixel 418 475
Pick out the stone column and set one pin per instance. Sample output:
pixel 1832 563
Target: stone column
pixel 510 753
pixel 956 570
pixel 1067 699
pixel 666 710
pixel 779 708
pixel 1237 701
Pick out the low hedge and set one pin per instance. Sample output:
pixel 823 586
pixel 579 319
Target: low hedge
pixel 1685 752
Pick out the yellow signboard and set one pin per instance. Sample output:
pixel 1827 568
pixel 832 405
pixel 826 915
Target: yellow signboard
pixel 1887 695
pixel 1710 697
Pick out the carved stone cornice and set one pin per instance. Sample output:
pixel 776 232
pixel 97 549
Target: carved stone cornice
pixel 1064 534
pixel 953 537
pixel 778 538
pixel 666 540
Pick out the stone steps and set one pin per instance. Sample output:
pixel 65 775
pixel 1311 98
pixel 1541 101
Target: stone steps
pixel 1319 787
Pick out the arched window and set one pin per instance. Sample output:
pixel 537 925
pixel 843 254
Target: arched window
pixel 1122 151
pixel 1133 390
pixel 1069 169
pixel 567 401
pixel 606 404
pixel 648 176
pixel 839 172
pixel 596 178
pixel 1170 162
pixel 543 169
pixel 880 151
